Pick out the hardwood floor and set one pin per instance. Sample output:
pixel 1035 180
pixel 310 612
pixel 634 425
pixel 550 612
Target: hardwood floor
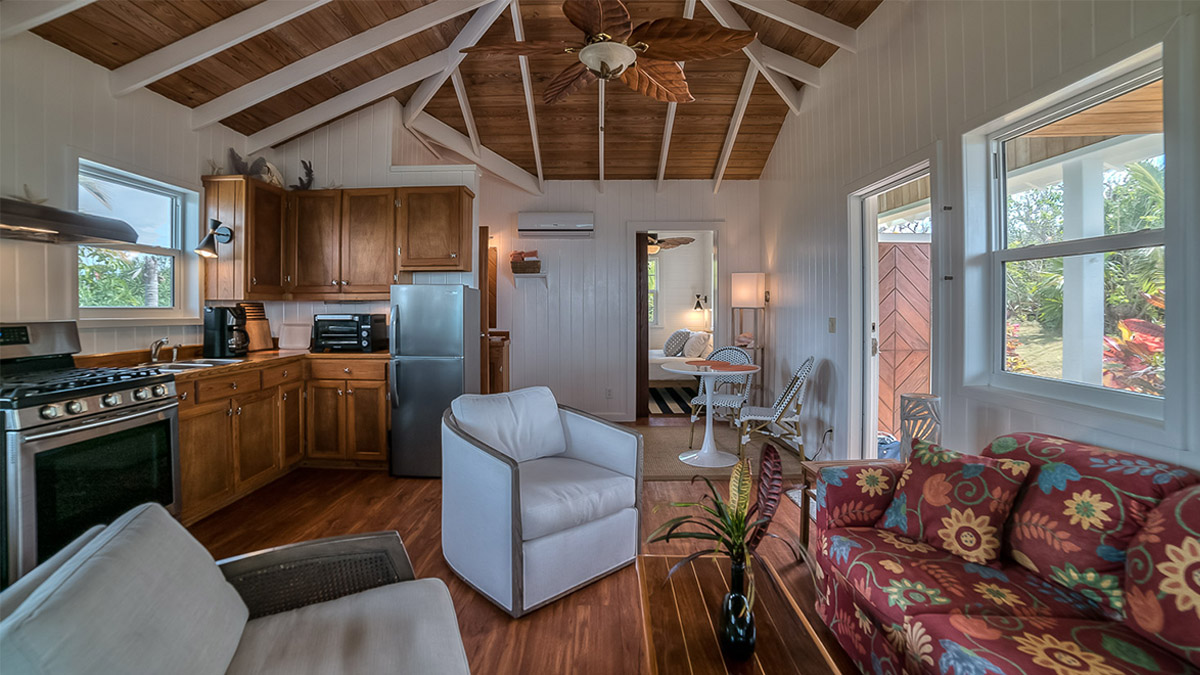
pixel 597 630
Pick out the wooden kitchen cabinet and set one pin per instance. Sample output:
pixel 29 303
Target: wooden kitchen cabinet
pixel 206 476
pixel 367 414
pixel 326 412
pixel 315 241
pixel 433 228
pixel 256 439
pixel 291 423
pixel 251 265
pixel 368 237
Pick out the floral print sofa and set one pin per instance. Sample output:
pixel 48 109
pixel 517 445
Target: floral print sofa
pixel 1098 569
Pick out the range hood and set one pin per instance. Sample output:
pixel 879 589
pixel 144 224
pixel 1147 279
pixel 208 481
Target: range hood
pixel 35 222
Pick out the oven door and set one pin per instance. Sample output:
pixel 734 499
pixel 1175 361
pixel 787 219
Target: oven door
pixel 68 477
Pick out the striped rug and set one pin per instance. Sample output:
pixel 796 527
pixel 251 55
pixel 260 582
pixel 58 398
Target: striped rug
pixel 671 400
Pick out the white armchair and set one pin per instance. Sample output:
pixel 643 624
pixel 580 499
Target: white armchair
pixel 538 499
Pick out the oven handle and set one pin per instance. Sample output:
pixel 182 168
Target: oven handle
pixel 93 425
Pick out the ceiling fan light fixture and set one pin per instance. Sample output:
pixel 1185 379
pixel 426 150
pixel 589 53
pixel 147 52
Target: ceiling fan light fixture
pixel 607 59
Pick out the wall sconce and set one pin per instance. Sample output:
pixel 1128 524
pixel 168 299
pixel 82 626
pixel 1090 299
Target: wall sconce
pixel 216 233
pixel 701 301
pixel 920 420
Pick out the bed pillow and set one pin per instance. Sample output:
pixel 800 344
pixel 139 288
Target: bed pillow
pixel 674 344
pixel 696 344
pixel 956 502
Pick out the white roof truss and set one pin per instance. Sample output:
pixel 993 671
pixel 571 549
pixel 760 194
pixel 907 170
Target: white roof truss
pixel 444 135
pixel 205 43
pixel 479 24
pixel 464 105
pixel 600 185
pixel 727 16
pixel 735 123
pixel 777 61
pixel 18 16
pixel 331 57
pixel 806 20
pixel 526 84
pixel 689 11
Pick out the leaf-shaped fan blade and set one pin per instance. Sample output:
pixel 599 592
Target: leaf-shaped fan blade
pixel 594 17
pixel 675 39
pixel 660 80
pixel 521 48
pixel 573 78
pixel 675 242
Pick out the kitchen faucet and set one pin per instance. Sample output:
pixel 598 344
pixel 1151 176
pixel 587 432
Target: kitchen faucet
pixel 157 346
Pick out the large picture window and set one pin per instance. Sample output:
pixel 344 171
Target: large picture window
pixel 1078 255
pixel 143 275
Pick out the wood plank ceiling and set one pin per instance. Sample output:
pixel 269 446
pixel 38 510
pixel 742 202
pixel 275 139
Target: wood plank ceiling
pixel 113 33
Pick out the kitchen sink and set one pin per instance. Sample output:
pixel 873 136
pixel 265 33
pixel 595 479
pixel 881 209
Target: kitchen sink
pixel 213 362
pixel 190 364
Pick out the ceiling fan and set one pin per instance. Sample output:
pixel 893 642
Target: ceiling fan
pixel 655 244
pixel 645 58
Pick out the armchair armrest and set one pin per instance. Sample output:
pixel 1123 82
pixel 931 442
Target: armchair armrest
pixel 288 577
pixel 855 495
pixel 600 442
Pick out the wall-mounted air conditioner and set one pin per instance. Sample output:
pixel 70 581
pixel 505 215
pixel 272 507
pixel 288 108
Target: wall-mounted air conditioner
pixel 544 224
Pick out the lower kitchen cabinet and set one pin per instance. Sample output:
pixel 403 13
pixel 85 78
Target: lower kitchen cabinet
pixel 205 459
pixel 291 423
pixel 326 419
pixel 256 435
pixel 347 420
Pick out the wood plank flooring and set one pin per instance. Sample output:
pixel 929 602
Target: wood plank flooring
pixel 596 630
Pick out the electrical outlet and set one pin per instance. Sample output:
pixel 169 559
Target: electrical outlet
pixel 833 324
pixel 608 393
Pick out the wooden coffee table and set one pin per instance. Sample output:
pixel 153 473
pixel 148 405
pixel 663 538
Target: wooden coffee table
pixel 681 620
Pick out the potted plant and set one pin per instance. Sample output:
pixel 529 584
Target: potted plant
pixel 736 528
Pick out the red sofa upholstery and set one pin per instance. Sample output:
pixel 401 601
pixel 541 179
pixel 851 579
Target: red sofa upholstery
pixel 1100 571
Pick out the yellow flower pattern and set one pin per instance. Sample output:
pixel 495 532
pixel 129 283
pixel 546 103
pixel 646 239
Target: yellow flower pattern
pixel 891 566
pixel 872 482
pixel 998 595
pixel 904 543
pixel 1087 509
pixel 1181 576
pixel 969 537
pixel 1064 658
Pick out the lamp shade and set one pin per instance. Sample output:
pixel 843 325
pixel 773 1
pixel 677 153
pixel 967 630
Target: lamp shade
pixel 216 233
pixel 920 420
pixel 749 290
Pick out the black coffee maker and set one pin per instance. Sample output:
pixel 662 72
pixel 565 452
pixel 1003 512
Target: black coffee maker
pixel 225 333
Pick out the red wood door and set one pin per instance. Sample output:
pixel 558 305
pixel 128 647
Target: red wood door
pixel 904 327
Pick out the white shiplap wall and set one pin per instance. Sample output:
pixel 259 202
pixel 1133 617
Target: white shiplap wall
pixel 54 105
pixel 924 72
pixel 682 273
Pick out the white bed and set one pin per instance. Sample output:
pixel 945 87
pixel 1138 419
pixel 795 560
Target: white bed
pixel 657 359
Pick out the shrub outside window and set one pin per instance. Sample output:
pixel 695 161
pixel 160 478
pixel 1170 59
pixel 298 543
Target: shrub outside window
pixel 652 285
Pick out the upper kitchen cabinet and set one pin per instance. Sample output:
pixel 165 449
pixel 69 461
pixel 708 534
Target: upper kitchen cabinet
pixel 433 228
pixel 315 242
pixel 251 265
pixel 368 238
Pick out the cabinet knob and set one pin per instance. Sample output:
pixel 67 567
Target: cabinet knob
pixel 253 281
pixel 453 255
pixel 233 385
pixel 346 370
pixel 285 372
pixel 183 396
pixel 339 392
pixel 344 282
pixel 285 395
pixel 228 412
pixel 239 410
pixel 350 392
pixel 334 282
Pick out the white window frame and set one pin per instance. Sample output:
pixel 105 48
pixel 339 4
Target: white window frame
pixel 186 302
pixel 1140 405
pixel 653 292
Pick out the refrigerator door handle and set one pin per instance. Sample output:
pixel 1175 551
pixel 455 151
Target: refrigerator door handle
pixel 392 377
pixel 395 346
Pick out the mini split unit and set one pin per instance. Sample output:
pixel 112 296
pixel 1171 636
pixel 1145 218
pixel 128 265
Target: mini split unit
pixel 543 225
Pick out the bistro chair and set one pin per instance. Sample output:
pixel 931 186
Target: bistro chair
pixel 739 385
pixel 784 414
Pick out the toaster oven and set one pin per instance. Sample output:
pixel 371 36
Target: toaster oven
pixel 349 332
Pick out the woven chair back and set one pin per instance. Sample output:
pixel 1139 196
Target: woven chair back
pixel 793 395
pixel 732 355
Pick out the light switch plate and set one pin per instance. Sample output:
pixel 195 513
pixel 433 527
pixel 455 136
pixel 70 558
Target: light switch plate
pixel 833 324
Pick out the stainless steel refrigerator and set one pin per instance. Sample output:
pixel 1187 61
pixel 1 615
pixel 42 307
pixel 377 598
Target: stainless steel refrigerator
pixel 434 343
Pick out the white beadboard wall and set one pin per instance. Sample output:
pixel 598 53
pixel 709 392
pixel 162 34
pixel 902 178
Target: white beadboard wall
pixel 54 104
pixel 923 72
pixel 682 273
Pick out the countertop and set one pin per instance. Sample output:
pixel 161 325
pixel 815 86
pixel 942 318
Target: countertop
pixel 272 357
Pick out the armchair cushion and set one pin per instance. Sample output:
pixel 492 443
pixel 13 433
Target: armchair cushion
pixel 558 493
pixel 956 502
pixel 523 424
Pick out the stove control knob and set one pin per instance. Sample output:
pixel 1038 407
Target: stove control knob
pixel 49 412
pixel 75 407
pixel 159 390
pixel 141 394
pixel 109 400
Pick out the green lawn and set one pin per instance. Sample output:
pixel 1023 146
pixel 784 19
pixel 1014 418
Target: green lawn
pixel 1041 351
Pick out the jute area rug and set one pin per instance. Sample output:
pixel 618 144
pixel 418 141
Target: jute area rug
pixel 662 445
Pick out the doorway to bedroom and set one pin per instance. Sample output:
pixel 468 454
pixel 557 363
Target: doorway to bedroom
pixel 676 292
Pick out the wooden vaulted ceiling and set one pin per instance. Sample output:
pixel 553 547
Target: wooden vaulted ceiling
pixel 114 33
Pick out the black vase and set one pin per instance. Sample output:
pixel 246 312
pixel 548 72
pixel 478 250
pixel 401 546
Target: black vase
pixel 737 633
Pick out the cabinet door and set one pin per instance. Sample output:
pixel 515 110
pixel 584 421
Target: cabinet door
pixel 291 423
pixel 225 200
pixel 256 438
pixel 266 206
pixel 326 418
pixel 315 241
pixel 206 477
pixel 366 419
pixel 368 237
pixel 433 226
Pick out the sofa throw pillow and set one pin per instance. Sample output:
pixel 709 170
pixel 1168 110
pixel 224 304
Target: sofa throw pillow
pixel 956 502
pixel 522 424
pixel 695 345
pixel 675 343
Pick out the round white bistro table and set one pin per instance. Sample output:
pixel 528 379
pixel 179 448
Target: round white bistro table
pixel 707 455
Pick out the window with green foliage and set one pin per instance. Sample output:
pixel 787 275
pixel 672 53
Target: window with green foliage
pixel 142 275
pixel 1081 248
pixel 652 285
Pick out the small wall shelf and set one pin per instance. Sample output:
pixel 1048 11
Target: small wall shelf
pixel 539 275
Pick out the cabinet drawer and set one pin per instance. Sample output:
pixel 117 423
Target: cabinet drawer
pixel 278 375
pixel 349 369
pixel 215 388
pixel 186 392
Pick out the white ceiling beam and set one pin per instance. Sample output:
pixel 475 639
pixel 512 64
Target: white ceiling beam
pixel 601 185
pixel 447 137
pixel 204 43
pixel 527 86
pixel 735 123
pixel 689 11
pixel 18 16
pixel 327 59
pixel 789 65
pixel 479 24
pixel 326 111
pixel 805 20
pixel 728 17
pixel 464 105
